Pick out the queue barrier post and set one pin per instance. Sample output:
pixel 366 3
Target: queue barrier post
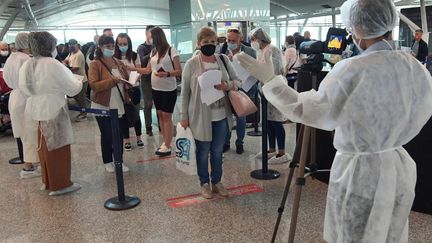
pixel 121 201
pixel 256 132
pixel 264 173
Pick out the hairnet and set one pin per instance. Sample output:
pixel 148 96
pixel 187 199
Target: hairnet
pixel 42 43
pixel 260 34
pixel 369 19
pixel 22 41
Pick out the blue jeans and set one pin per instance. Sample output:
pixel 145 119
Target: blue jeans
pixel 214 148
pixel 276 131
pixel 240 130
pixel 241 122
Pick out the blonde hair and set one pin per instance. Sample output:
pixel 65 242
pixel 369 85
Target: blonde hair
pixel 206 32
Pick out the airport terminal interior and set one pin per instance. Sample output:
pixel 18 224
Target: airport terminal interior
pixel 77 76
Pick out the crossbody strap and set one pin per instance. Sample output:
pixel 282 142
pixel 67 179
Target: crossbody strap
pixel 109 70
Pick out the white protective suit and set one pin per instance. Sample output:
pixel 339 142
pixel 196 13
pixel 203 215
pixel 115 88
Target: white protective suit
pixel 377 102
pixel 278 65
pixel 46 82
pixel 17 100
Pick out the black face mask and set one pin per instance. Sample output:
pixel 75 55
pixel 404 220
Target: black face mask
pixel 208 50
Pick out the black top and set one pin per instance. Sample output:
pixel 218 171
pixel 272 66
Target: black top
pixel 3 60
pixel 422 51
pixel 144 51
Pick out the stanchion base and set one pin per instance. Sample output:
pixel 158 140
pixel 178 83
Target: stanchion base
pixel 254 134
pixel 270 175
pixel 16 161
pixel 128 203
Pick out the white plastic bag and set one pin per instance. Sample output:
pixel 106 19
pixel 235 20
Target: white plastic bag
pixel 185 151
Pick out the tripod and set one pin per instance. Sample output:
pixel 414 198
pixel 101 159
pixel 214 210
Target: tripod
pixel 305 149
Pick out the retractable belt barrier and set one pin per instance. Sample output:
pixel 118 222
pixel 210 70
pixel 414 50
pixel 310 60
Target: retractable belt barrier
pixel 264 173
pixel 121 201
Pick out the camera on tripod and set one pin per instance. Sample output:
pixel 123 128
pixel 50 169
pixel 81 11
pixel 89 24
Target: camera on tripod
pixel 335 43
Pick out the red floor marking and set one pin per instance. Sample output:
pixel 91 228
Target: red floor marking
pixel 187 200
pixel 155 159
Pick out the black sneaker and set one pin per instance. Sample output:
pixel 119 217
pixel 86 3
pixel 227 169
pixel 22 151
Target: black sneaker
pixel 239 149
pixel 226 147
pixel 140 144
pixel 127 147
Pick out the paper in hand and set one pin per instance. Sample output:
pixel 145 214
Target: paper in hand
pixel 207 81
pixel 133 78
pixel 78 77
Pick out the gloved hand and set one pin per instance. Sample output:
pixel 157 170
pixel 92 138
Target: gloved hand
pixel 262 71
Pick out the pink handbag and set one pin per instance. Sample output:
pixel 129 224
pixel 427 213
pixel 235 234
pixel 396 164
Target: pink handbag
pixel 241 103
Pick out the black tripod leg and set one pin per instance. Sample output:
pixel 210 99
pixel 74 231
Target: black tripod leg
pixel 293 166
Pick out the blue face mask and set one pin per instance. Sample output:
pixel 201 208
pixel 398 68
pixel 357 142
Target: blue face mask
pixel 123 48
pixel 72 49
pixel 232 46
pixel 108 53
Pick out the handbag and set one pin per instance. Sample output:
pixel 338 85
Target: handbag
pixel 241 104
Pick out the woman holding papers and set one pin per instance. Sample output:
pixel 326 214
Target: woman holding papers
pixel 260 41
pixel 107 77
pixel 123 51
pixel 206 108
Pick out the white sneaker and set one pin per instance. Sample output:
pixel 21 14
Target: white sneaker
pixel 125 168
pixel 280 160
pixel 30 174
pixel 43 187
pixel 269 155
pixel 109 167
pixel 163 151
pixel 74 187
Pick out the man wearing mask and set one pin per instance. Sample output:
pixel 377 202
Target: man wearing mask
pixel 233 47
pixel 144 51
pixel 419 48
pixel 4 53
pixel 372 179
pixel 221 41
pixel 76 63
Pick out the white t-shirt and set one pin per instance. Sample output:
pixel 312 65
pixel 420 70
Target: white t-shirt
pixel 163 83
pixel 77 60
pixel 131 64
pixel 218 112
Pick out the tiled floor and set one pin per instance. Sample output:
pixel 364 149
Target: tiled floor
pixel 30 215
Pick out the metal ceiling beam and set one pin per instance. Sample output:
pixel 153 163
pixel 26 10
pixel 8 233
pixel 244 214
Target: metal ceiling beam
pixel 4 6
pixel 29 11
pixel 306 16
pixel 284 7
pixel 9 24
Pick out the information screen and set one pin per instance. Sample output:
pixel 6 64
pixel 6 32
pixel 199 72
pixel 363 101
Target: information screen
pixel 335 42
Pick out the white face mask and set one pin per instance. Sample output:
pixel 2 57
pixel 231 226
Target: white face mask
pixel 4 53
pixel 255 45
pixel 54 53
pixel 358 45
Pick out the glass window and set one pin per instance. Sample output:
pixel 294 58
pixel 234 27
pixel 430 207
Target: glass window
pixel 82 36
pixel 137 36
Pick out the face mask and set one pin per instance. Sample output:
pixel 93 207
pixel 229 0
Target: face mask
pixel 255 45
pixel 108 53
pixel 358 45
pixel 232 46
pixel 95 42
pixel 4 53
pixel 54 53
pixel 72 49
pixel 151 41
pixel 208 50
pixel 123 48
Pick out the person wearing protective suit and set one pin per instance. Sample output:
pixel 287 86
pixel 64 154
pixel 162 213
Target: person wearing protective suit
pixel 17 104
pixel 260 42
pixel 46 83
pixel 374 111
